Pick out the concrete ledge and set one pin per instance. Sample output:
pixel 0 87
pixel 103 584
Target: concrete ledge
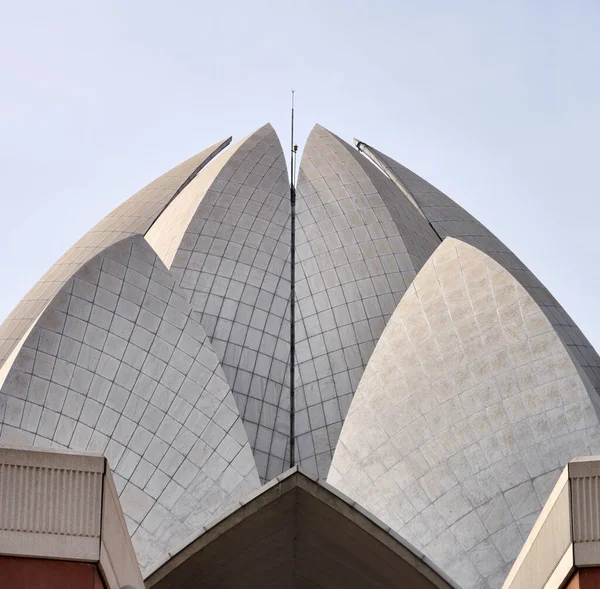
pixel 64 506
pixel 566 535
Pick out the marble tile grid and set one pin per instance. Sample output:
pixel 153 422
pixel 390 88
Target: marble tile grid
pixel 466 413
pixel 419 237
pixel 118 365
pixel 451 219
pixel 233 266
pixel 132 217
pixel 353 267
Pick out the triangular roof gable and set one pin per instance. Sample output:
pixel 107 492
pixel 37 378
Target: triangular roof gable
pixel 297 532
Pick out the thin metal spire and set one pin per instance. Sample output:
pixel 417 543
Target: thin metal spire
pixel 294 149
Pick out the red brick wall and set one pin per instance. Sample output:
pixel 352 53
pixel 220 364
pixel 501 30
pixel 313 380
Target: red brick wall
pixel 40 573
pixel 574 582
pixel 585 579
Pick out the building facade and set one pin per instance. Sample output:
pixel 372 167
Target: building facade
pixel 438 384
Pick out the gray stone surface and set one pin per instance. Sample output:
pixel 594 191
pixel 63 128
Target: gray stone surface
pixel 467 410
pixel 233 267
pixel 359 245
pixel 117 364
pixel 450 219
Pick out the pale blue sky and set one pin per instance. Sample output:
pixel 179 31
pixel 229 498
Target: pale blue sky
pixel 496 103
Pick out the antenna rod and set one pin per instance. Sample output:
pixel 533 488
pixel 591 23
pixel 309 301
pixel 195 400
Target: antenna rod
pixel 294 149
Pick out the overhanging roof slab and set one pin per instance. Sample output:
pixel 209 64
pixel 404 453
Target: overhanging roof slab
pixel 297 533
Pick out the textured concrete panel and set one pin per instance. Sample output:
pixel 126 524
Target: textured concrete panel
pixel 117 365
pixel 134 216
pixel 63 505
pixel 449 219
pixel 233 266
pixel 61 520
pixel 359 245
pixel 467 410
